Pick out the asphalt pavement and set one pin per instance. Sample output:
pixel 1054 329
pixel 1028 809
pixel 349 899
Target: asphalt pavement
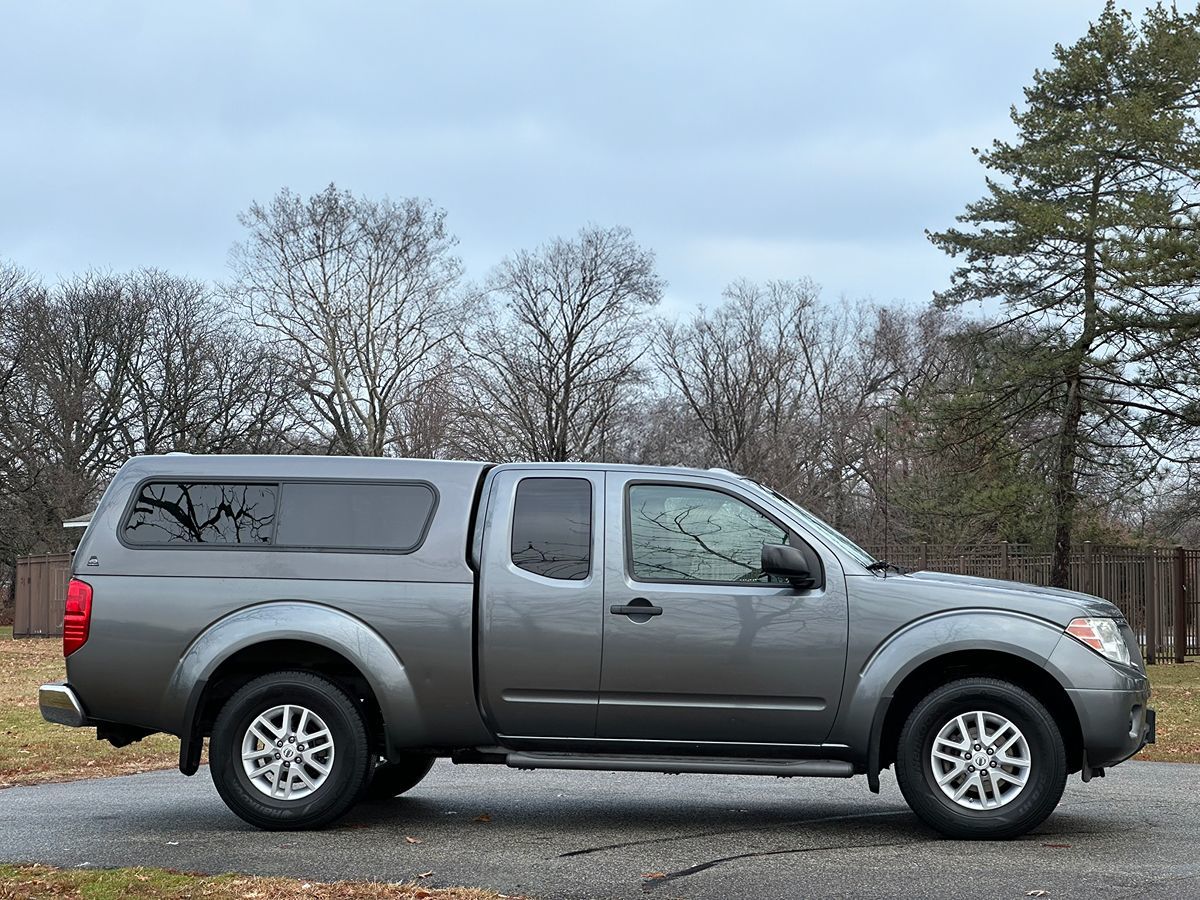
pixel 552 835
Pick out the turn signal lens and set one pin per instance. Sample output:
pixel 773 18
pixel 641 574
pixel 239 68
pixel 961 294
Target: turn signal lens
pixel 77 616
pixel 1103 636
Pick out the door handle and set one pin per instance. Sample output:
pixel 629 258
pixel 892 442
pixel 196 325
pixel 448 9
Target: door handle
pixel 637 607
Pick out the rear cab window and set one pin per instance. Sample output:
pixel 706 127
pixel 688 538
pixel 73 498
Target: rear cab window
pixel 552 527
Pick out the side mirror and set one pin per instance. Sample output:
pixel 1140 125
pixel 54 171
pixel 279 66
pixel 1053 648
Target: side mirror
pixel 787 562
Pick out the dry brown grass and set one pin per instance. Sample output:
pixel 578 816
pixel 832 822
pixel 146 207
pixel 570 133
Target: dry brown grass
pixel 27 882
pixel 32 750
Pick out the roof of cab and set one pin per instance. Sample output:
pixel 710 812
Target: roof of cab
pixel 628 467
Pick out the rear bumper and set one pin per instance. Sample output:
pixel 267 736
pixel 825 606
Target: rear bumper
pixel 59 704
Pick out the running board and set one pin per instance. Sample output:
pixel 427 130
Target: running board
pixel 678 765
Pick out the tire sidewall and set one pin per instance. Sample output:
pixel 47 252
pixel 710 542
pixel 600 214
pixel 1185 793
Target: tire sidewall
pixel 1047 773
pixel 351 757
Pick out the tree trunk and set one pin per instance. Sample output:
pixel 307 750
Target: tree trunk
pixel 1064 482
pixel 1068 434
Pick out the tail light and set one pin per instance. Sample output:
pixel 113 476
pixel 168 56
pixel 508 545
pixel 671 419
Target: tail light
pixel 77 615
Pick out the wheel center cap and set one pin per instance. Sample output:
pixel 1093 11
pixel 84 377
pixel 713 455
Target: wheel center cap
pixel 287 753
pixel 981 761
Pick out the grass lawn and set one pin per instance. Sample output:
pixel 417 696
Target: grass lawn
pixel 32 750
pixel 1177 700
pixel 159 884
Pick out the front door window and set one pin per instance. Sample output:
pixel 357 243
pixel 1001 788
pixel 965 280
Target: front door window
pixel 692 534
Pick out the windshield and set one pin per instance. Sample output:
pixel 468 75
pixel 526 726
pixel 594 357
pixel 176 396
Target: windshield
pixel 822 529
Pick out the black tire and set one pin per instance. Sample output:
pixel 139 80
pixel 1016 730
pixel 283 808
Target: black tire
pixel 351 764
pixel 391 779
pixel 1029 807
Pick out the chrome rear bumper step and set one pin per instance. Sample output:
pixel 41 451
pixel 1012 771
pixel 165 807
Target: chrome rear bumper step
pixel 58 704
pixel 678 765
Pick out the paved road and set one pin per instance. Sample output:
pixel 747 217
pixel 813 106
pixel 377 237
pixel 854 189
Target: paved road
pixel 597 835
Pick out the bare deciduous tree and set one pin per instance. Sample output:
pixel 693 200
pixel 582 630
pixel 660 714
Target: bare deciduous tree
pixel 553 372
pixel 202 381
pixel 357 296
pixel 782 388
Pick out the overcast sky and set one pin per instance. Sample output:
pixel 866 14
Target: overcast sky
pixel 765 140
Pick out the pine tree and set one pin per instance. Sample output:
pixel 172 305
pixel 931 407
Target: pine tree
pixel 1087 235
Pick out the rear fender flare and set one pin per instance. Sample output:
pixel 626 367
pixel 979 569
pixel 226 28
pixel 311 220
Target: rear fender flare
pixel 292 620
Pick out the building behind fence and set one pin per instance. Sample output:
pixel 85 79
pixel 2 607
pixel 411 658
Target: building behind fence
pixel 1158 589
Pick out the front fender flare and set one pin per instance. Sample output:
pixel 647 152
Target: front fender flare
pixel 869 694
pixel 293 620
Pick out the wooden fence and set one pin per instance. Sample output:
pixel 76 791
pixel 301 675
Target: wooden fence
pixel 1158 589
pixel 41 595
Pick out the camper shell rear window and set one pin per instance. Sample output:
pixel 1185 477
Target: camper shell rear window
pixel 349 516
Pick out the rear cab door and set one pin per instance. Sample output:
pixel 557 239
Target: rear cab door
pixel 541 591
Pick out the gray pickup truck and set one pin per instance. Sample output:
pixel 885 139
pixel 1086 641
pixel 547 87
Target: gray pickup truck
pixel 334 625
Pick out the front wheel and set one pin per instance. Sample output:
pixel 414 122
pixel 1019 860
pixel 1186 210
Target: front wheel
pixel 981 758
pixel 290 751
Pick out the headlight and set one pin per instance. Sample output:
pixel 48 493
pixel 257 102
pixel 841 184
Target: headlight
pixel 1103 636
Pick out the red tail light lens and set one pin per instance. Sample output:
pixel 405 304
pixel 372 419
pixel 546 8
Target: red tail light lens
pixel 77 615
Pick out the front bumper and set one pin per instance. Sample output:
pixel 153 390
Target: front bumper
pixel 1112 702
pixel 58 704
pixel 1115 724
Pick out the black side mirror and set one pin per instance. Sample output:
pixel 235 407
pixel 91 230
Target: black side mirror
pixel 787 562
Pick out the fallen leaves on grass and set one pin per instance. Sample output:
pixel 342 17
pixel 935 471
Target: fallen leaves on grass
pixel 1176 697
pixel 31 881
pixel 32 750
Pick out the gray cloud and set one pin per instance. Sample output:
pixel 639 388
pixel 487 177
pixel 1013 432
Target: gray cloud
pixel 765 140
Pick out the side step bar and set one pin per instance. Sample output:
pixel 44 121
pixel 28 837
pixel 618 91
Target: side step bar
pixel 677 765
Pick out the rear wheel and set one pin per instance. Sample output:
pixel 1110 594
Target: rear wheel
pixel 391 779
pixel 981 758
pixel 290 751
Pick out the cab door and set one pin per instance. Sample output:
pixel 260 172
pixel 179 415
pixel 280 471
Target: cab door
pixel 699 646
pixel 541 590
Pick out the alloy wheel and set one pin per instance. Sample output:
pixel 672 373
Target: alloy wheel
pixel 980 760
pixel 287 752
